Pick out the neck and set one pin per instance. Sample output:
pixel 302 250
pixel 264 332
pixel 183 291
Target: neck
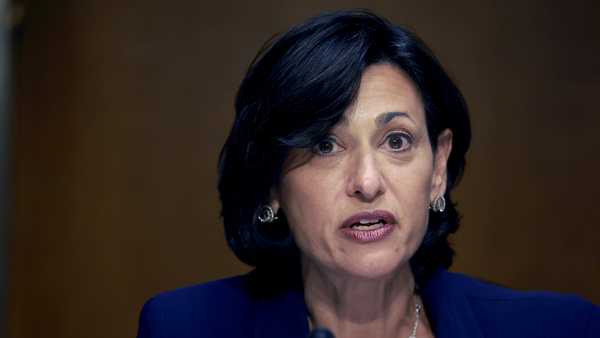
pixel 354 306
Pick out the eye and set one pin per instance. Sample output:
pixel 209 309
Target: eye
pixel 398 142
pixel 327 146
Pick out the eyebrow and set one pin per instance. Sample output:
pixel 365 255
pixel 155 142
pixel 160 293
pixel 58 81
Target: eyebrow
pixel 381 119
pixel 385 118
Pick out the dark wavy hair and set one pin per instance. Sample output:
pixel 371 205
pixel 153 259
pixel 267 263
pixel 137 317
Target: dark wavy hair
pixel 295 90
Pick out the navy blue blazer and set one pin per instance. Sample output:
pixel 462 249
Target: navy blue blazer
pixel 457 306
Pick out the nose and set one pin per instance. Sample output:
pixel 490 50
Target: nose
pixel 365 180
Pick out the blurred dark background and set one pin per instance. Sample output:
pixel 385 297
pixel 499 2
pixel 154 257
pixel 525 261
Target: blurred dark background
pixel 122 106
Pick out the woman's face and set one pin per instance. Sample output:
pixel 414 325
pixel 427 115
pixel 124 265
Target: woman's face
pixel 359 205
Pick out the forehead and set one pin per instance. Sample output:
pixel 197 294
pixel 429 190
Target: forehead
pixel 384 88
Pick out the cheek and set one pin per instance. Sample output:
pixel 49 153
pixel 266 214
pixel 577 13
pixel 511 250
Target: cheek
pixel 308 201
pixel 410 188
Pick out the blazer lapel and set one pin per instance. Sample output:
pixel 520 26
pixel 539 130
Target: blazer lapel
pixel 284 316
pixel 449 309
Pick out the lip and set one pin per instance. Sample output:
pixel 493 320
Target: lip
pixel 374 234
pixel 386 216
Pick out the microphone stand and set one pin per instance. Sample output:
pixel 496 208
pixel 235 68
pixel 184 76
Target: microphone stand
pixel 321 333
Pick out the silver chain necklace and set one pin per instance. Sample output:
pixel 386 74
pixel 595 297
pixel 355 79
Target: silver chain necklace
pixel 413 333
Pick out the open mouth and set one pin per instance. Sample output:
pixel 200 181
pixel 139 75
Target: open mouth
pixel 368 224
pixel 369 220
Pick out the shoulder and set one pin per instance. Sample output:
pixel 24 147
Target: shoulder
pixel 532 313
pixel 242 306
pixel 199 311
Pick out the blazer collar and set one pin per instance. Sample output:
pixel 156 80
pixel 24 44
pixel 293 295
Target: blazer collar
pixel 447 306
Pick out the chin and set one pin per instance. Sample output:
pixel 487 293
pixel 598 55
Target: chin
pixel 375 265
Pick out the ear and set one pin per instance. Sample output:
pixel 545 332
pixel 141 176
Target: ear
pixel 274 199
pixel 440 164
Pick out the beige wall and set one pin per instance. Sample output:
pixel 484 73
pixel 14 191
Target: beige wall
pixel 122 107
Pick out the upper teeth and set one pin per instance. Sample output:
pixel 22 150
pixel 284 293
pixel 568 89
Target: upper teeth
pixel 368 221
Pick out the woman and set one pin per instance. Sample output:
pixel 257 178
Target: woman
pixel 335 183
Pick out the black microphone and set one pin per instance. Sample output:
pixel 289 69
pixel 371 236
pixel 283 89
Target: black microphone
pixel 321 333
